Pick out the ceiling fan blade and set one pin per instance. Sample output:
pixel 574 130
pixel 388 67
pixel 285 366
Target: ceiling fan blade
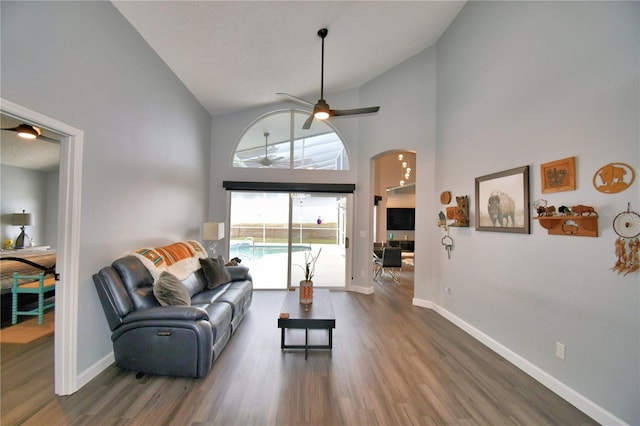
pixel 48 139
pixel 295 99
pixel 355 111
pixel 307 123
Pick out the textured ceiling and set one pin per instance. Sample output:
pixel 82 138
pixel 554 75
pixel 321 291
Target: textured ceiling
pixel 36 154
pixel 234 55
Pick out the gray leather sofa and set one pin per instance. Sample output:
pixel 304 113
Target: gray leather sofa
pixel 170 340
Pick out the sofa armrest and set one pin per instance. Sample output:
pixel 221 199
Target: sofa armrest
pixel 184 313
pixel 172 347
pixel 239 273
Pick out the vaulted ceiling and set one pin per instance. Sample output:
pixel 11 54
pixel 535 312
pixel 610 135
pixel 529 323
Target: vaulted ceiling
pixel 234 55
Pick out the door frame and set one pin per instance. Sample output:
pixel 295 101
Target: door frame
pixel 68 244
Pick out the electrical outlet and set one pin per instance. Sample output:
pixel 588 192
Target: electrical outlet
pixel 447 291
pixel 560 350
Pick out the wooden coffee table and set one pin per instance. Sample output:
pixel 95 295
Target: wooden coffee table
pixel 319 316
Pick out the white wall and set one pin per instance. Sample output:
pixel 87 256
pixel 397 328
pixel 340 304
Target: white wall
pixel 524 83
pixel 146 138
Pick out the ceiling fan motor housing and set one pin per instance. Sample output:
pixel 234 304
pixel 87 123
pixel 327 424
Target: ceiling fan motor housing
pixel 321 110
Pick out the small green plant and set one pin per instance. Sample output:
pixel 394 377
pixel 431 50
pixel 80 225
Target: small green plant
pixel 309 267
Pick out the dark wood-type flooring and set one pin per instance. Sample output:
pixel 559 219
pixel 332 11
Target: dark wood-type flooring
pixel 392 364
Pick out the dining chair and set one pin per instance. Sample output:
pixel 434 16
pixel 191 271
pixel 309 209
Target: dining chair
pixel 391 258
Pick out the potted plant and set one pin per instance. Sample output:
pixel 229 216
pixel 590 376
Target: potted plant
pixel 306 285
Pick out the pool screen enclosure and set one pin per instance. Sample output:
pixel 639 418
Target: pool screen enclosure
pixel 274 232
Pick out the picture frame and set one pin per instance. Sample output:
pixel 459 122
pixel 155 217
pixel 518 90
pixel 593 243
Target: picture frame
pixel 502 201
pixel 559 175
pixel 451 213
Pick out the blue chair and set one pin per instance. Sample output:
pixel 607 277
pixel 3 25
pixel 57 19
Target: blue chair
pixel 31 284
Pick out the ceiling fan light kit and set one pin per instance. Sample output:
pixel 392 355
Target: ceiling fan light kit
pixel 27 131
pixel 321 109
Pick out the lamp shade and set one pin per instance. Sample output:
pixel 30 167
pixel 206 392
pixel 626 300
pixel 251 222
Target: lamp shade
pixel 22 219
pixel 213 231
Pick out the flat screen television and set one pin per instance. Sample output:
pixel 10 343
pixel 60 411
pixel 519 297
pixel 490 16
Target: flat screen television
pixel 401 219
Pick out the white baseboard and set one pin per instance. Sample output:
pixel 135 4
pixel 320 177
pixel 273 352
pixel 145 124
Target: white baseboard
pixel 90 373
pixel 582 403
pixel 360 289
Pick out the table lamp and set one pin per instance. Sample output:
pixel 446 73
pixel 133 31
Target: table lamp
pixel 213 231
pixel 22 219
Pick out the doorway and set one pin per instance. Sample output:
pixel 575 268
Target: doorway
pixel 394 202
pixel 276 233
pixel 68 242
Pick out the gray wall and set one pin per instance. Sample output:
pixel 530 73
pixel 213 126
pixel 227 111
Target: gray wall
pixel 406 122
pixel 524 83
pixel 509 84
pixel 146 138
pixel 35 192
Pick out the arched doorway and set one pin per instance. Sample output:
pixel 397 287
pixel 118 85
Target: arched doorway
pixel 394 202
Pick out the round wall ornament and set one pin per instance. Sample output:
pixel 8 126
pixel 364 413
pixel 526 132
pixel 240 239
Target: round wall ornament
pixel 445 197
pixel 627 226
pixel 613 178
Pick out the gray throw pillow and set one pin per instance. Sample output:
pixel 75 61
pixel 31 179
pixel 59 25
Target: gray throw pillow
pixel 170 291
pixel 215 272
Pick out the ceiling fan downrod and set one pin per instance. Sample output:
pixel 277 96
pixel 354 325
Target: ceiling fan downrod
pixel 322 33
pixel 321 110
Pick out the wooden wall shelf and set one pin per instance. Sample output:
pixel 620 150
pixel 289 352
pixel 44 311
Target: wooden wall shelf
pixel 580 226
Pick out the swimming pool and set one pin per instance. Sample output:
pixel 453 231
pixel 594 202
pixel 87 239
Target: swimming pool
pixel 248 249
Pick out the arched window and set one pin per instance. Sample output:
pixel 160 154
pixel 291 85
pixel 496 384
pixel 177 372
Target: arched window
pixel 278 141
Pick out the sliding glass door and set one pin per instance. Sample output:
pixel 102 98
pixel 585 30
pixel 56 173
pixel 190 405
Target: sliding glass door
pixel 273 233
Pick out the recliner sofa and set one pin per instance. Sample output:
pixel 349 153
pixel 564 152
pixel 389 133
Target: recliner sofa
pixel 170 340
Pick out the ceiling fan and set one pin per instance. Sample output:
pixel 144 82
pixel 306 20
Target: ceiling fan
pixel 26 131
pixel 266 161
pixel 321 109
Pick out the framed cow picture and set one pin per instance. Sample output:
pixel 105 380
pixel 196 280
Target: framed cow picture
pixel 502 201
